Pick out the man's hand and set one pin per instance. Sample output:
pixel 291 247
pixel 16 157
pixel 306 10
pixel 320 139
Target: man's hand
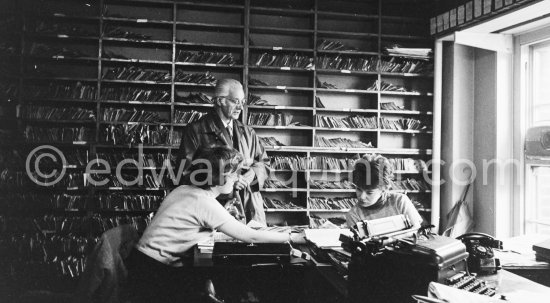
pixel 244 180
pixel 231 207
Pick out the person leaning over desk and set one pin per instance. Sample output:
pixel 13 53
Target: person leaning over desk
pixel 188 214
pixel 222 127
pixel 372 177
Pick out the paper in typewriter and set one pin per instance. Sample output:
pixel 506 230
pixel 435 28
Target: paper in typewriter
pixel 326 238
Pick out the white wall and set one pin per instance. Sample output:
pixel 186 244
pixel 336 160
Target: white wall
pixel 457 123
pixel 484 138
pixel 477 133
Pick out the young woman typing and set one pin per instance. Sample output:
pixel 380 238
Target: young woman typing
pixel 187 215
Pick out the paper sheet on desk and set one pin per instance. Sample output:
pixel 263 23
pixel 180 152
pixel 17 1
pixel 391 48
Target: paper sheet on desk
pixel 326 238
pixel 518 251
pixel 513 258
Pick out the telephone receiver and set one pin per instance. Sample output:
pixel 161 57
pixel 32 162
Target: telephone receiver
pixel 481 257
pixel 483 239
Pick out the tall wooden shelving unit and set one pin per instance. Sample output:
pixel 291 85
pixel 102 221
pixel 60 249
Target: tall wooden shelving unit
pixel 246 29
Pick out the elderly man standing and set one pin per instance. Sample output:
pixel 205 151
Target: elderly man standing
pixel 222 127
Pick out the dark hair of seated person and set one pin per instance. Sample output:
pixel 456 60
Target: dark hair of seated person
pixel 211 164
pixel 371 172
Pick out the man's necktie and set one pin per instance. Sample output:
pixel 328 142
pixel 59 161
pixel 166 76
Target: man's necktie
pixel 230 131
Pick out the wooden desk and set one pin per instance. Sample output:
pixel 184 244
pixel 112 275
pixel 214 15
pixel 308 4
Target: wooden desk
pixel 300 281
pixel 333 277
pixel 320 282
pixel 507 282
pixel 518 257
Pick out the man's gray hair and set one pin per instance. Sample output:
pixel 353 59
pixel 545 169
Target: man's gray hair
pixel 224 85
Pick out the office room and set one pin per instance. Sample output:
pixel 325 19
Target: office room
pixel 274 151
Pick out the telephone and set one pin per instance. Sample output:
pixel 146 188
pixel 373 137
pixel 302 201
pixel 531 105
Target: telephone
pixel 480 247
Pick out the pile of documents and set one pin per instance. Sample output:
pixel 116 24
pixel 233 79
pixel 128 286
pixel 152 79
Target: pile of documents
pixel 401 65
pixel 410 184
pixel 130 115
pixel 331 184
pixel 293 162
pixel 278 204
pixel 340 142
pixel 185 116
pixel 135 73
pixel 390 106
pixel 339 62
pixel 205 57
pixel 256 100
pixel 57 113
pixel 275 183
pixel 123 94
pixel 283 60
pixel 198 78
pixel 324 162
pixel 386 87
pixel 270 119
pixel 354 121
pixel 334 45
pixel 270 141
pixel 401 124
pixel 419 53
pixel 194 98
pixel 331 203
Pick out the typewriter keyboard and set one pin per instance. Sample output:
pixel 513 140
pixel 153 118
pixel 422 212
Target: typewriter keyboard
pixel 465 281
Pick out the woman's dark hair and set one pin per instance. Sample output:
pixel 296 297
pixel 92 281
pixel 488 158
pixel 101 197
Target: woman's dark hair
pixel 211 164
pixel 372 171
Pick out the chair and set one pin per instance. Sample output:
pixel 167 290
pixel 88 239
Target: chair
pixel 104 278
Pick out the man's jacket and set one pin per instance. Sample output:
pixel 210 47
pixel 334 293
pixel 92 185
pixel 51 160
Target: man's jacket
pixel 209 130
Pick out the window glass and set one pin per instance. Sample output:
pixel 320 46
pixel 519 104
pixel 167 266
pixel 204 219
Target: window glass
pixel 537 177
pixel 541 84
pixel 538 206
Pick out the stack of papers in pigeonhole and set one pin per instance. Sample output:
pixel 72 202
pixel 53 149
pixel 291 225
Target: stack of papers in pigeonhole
pixel 419 53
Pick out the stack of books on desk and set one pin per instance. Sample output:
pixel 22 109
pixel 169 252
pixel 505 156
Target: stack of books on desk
pixel 542 251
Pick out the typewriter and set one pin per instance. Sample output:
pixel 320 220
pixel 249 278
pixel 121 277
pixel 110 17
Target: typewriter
pixel 391 261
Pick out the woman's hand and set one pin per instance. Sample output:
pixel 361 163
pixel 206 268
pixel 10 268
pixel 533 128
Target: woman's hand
pixel 298 238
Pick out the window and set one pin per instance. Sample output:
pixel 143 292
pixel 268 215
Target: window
pixel 540 101
pixel 536 93
pixel 537 206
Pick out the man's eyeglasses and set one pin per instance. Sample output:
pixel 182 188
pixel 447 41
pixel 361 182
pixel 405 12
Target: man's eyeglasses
pixel 235 101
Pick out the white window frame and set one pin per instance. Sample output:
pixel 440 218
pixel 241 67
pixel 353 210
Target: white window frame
pixel 500 215
pixel 523 119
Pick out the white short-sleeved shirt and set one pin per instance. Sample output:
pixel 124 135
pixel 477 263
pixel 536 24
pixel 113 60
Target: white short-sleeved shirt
pixel 389 204
pixel 187 215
